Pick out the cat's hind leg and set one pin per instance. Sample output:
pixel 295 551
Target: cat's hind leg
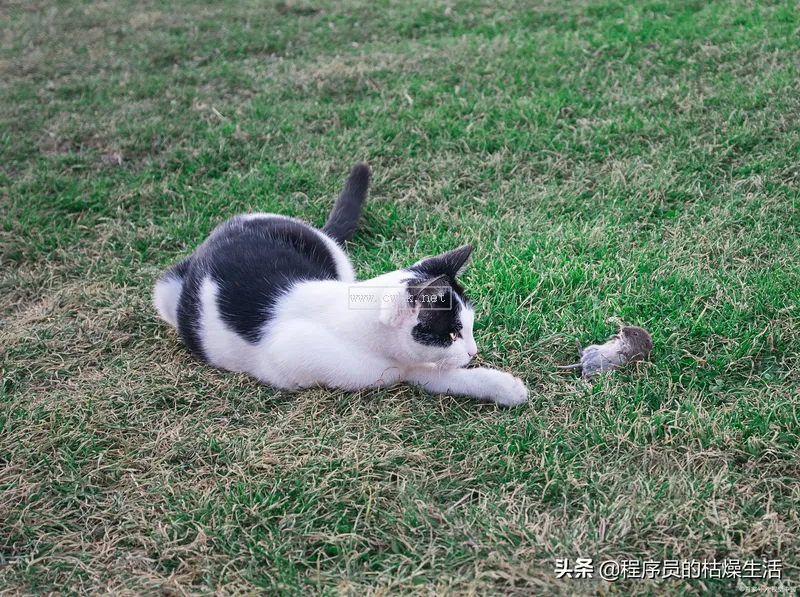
pixel 167 292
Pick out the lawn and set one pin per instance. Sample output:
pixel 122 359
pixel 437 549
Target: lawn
pixel 612 163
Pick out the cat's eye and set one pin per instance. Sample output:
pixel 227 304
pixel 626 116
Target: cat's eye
pixel 454 335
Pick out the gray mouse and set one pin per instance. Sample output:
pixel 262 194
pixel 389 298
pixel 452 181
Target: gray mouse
pixel 631 344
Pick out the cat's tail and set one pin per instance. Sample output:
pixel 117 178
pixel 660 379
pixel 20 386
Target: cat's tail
pixel 343 221
pixel 167 292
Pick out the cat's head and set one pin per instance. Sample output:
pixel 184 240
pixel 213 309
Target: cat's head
pixel 433 319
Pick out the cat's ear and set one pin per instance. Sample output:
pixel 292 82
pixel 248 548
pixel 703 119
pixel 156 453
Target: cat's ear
pixel 401 307
pixel 453 263
pixel 428 293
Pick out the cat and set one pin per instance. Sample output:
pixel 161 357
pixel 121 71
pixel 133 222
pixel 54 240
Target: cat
pixel 273 297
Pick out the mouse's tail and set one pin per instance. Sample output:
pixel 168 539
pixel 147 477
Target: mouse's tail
pixel 575 366
pixel 343 221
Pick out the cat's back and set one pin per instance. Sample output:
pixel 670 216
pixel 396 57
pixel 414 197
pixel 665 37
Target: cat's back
pixel 273 243
pixel 244 267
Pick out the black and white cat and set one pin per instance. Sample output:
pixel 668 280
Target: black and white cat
pixel 276 298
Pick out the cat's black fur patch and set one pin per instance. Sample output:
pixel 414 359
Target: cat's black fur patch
pixel 254 262
pixel 436 324
pixel 448 264
pixel 188 310
pixel 343 220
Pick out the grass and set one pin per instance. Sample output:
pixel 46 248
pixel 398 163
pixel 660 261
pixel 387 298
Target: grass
pixel 612 162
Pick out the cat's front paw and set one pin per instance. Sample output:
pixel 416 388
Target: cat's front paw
pixel 505 390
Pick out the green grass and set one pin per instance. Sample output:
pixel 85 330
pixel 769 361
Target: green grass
pixel 611 162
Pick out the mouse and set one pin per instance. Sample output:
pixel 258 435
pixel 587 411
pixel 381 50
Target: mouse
pixel 632 343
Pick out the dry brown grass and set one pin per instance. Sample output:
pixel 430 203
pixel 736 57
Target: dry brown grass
pixel 613 164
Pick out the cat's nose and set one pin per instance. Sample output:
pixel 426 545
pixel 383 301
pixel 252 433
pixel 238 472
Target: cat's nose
pixel 472 354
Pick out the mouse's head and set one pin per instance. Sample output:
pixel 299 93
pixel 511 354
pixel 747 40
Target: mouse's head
pixel 639 341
